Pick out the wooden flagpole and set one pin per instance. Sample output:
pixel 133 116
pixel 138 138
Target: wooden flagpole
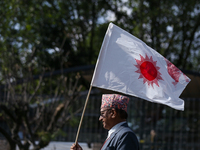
pixel 77 134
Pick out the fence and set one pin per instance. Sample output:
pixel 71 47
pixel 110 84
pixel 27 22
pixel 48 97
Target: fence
pixel 158 127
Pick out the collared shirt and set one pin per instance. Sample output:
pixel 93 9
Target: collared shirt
pixel 114 128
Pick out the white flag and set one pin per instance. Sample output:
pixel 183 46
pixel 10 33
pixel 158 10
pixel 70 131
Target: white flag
pixel 127 65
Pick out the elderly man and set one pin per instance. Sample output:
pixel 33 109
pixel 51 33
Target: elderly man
pixel 113 115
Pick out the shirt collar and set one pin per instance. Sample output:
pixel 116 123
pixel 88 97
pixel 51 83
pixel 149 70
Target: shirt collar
pixel 114 128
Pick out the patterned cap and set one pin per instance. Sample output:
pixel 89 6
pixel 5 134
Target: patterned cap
pixel 114 101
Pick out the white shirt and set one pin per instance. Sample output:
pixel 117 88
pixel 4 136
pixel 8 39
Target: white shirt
pixel 114 128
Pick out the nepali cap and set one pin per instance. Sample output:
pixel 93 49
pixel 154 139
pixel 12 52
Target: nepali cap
pixel 114 101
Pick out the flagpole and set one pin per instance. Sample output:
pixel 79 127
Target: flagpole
pixel 77 134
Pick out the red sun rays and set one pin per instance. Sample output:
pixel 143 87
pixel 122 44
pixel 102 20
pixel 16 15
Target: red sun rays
pixel 148 70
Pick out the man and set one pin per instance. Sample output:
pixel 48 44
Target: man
pixel 113 115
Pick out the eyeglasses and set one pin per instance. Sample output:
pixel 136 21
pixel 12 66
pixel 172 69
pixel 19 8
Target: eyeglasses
pixel 102 113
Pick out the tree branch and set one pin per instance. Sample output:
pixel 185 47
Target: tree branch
pixel 8 112
pixel 55 117
pixel 36 89
pixel 191 39
pixel 8 138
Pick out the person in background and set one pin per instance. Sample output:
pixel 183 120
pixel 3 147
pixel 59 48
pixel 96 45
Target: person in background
pixel 113 114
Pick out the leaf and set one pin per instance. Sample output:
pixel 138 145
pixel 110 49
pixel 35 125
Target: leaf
pixel 28 27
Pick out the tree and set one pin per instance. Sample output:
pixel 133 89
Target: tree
pixel 43 36
pixel 40 37
pixel 38 106
pixel 40 117
pixel 172 29
pixel 25 53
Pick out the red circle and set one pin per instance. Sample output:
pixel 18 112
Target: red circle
pixel 148 70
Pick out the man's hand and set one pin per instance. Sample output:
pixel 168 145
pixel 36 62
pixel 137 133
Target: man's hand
pixel 76 146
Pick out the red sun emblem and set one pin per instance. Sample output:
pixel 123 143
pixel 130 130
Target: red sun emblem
pixel 148 70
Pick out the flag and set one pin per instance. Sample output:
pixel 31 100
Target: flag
pixel 126 64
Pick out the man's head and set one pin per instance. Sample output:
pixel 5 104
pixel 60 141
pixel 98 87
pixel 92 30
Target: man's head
pixel 113 109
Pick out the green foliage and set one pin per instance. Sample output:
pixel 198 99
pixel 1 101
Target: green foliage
pixel 47 137
pixel 74 121
pixel 169 27
pixel 37 37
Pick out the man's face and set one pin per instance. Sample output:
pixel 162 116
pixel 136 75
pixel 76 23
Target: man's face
pixel 105 117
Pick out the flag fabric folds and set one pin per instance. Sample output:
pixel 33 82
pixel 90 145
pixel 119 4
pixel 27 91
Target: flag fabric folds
pixel 127 65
